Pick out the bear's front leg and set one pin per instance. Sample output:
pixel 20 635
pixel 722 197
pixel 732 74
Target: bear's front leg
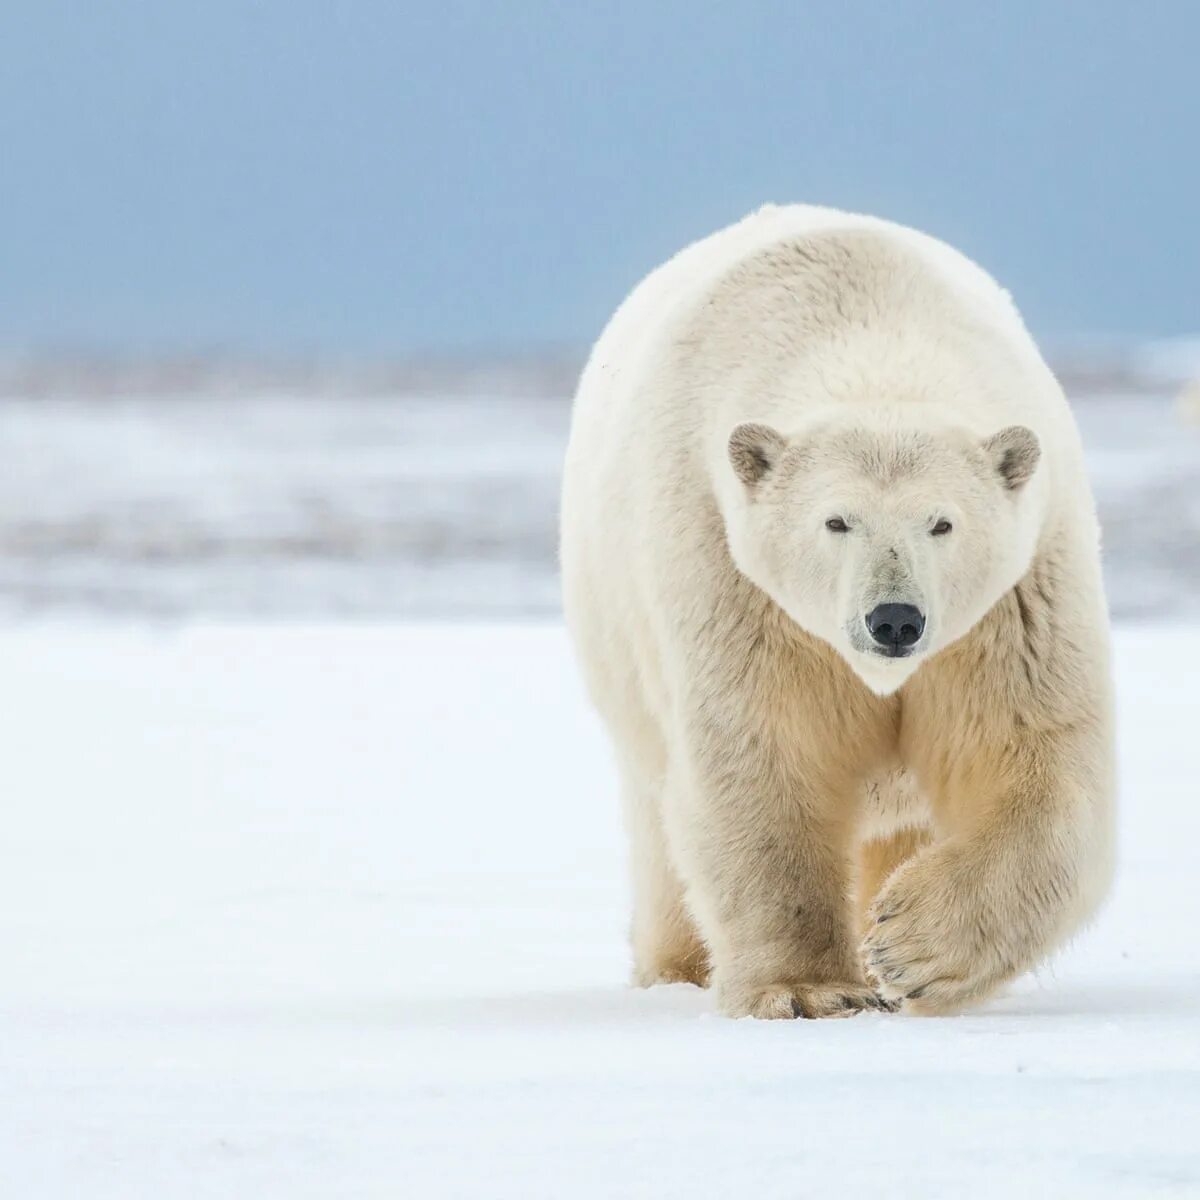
pixel 1022 865
pixel 763 850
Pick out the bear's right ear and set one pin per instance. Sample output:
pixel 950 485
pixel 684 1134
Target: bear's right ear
pixel 753 450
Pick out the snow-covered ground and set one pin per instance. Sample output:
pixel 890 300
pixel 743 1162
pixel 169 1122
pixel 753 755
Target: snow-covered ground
pixel 258 504
pixel 338 912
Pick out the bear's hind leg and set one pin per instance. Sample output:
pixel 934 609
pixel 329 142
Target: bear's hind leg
pixel 666 945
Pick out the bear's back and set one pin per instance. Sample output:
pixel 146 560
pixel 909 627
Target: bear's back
pixel 662 306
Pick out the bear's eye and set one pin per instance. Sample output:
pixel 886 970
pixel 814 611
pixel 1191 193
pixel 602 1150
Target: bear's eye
pixel 837 525
pixel 943 526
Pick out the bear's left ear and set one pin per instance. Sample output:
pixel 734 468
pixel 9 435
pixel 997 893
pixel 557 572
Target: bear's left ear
pixel 753 450
pixel 1014 453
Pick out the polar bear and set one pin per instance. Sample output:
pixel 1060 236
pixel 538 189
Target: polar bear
pixel 831 568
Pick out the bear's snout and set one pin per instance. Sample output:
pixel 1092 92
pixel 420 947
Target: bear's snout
pixel 896 627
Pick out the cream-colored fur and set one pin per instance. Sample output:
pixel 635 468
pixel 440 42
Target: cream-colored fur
pixel 803 367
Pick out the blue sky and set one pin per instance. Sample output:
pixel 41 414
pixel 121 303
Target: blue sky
pixel 386 179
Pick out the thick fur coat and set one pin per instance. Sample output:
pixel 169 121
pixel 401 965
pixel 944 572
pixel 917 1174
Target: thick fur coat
pixel 806 423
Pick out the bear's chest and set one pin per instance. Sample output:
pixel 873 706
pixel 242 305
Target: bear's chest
pixel 893 801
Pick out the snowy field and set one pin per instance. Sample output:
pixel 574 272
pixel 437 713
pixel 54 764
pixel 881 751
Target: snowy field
pixel 338 912
pixel 437 503
pixel 293 906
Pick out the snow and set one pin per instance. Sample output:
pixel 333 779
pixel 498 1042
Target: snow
pixel 249 505
pixel 338 911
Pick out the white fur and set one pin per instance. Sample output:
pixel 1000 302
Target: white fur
pixel 868 372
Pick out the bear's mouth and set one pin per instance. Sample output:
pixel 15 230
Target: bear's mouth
pixel 894 651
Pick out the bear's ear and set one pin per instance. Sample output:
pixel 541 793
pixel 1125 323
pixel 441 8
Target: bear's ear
pixel 753 450
pixel 1014 453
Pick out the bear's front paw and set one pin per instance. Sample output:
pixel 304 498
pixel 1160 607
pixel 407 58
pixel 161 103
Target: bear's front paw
pixel 936 939
pixel 810 1000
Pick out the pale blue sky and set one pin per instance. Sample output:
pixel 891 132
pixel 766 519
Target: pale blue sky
pixel 382 178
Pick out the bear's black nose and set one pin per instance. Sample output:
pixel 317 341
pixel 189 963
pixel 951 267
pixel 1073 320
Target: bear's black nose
pixel 896 625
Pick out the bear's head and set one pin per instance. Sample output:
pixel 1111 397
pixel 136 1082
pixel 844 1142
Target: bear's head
pixel 887 540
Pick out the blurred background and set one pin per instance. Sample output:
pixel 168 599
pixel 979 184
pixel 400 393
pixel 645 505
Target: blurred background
pixel 293 295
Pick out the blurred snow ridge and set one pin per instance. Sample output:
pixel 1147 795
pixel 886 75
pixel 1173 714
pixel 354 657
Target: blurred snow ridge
pixel 429 491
